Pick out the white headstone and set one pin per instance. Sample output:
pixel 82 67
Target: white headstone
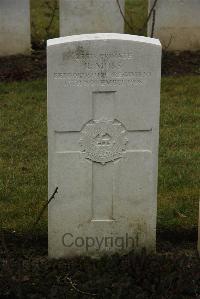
pixel 91 16
pixel 15 35
pixel 176 24
pixel 103 127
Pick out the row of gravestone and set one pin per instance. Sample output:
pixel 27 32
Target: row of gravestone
pixel 175 22
pixel 103 135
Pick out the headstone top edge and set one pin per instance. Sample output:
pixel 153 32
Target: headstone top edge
pixel 103 36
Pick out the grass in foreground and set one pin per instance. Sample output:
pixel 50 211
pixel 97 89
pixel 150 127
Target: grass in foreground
pixel 23 152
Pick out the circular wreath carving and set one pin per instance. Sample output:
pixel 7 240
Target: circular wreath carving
pixel 103 141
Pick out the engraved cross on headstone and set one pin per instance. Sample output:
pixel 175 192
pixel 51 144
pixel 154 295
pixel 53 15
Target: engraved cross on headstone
pixel 103 141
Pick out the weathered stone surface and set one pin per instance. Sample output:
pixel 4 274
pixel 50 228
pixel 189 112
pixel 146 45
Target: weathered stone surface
pixel 177 24
pixel 90 16
pixel 103 127
pixel 15 37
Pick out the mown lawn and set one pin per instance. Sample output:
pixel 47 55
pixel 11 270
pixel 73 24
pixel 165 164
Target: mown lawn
pixel 23 154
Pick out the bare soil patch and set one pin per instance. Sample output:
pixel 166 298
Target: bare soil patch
pixel 26 272
pixel 16 68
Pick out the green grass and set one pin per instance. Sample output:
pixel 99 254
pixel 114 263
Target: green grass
pixel 23 152
pixel 41 13
pixel 179 152
pixel 136 15
pixel 23 162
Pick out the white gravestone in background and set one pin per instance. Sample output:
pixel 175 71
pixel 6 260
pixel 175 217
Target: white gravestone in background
pixel 177 24
pixel 90 16
pixel 15 37
pixel 103 127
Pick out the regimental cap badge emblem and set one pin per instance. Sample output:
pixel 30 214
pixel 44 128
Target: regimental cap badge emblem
pixel 103 141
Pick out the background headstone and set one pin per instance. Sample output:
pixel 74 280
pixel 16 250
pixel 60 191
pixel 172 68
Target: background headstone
pixel 177 24
pixel 15 37
pixel 103 128
pixel 90 16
